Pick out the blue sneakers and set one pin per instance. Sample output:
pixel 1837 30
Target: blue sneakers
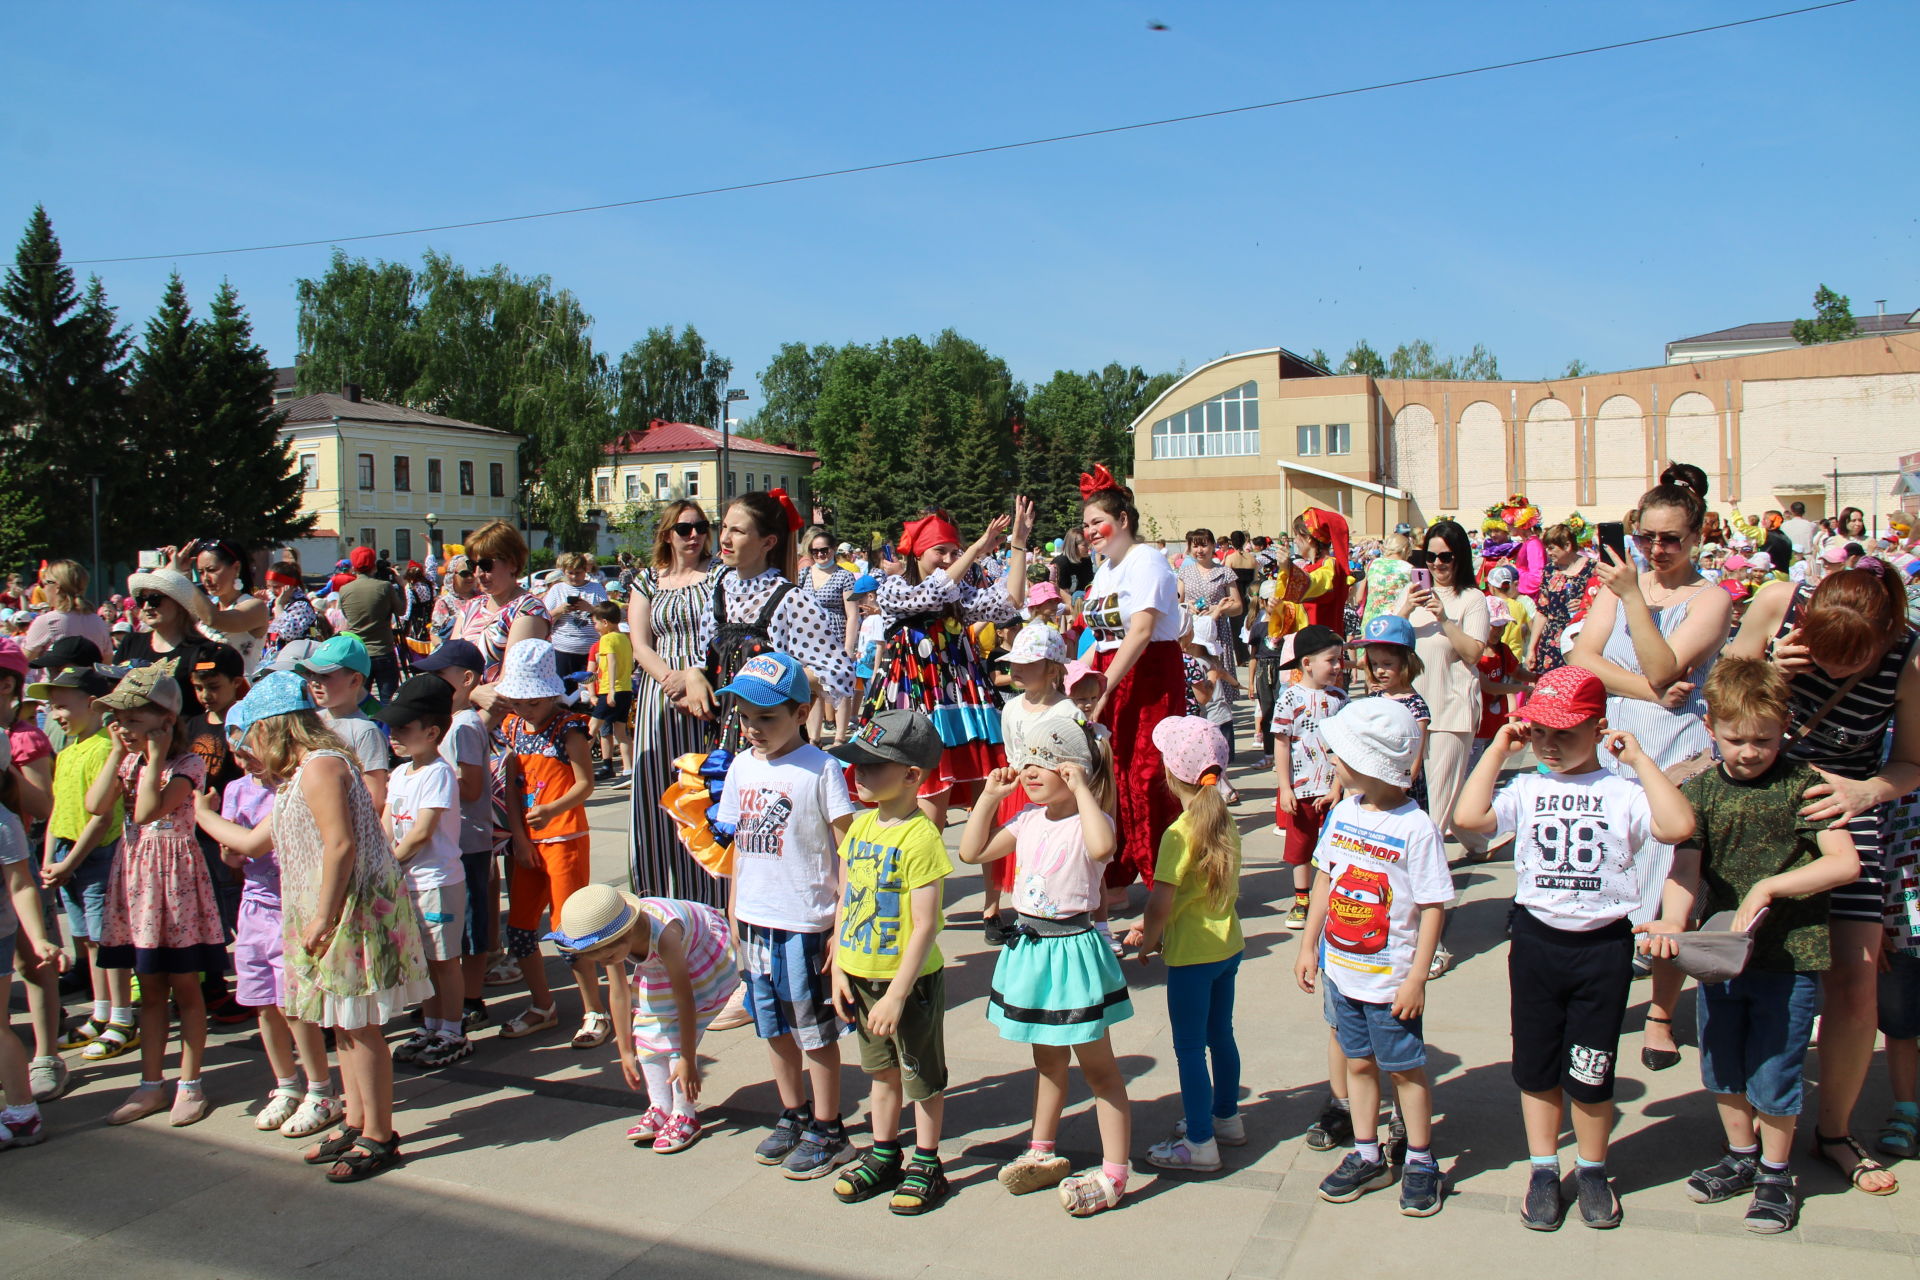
pixel 1421 1187
pixel 786 1135
pixel 819 1153
pixel 1354 1178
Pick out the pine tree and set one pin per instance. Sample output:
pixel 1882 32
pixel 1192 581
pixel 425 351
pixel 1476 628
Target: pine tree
pixel 169 398
pixel 255 492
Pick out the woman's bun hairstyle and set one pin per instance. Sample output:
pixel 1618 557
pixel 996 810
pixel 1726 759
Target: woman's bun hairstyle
pixel 1682 485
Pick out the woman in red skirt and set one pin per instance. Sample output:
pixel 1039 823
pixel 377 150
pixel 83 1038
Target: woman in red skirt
pixel 1134 611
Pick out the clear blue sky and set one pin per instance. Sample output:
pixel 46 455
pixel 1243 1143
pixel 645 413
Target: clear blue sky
pixel 1593 208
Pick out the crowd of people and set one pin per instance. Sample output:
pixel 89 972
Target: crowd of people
pixel 303 804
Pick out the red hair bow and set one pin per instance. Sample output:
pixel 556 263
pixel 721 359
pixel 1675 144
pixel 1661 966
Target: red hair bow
pixel 931 530
pixel 1100 480
pixel 793 513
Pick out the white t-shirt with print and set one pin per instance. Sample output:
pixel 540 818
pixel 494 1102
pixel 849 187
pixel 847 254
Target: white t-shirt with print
pixel 1142 580
pixel 786 870
pixel 1297 713
pixel 1576 838
pixel 1384 864
pixel 412 789
pixel 1052 875
pixel 466 743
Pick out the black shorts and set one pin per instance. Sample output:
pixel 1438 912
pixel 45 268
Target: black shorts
pixel 1569 992
pixel 612 706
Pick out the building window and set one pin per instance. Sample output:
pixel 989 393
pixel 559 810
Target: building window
pixel 692 475
pixel 633 487
pixel 1339 437
pixel 309 471
pixel 766 482
pixel 785 485
pixel 402 474
pixel 1307 438
pixel 497 479
pixel 369 537
pixel 366 473
pixel 466 479
pixel 1226 426
pixel 402 545
pixel 749 482
pixel 603 488
pixel 733 483
pixel 662 487
pixel 433 475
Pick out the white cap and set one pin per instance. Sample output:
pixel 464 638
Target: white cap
pixel 1038 642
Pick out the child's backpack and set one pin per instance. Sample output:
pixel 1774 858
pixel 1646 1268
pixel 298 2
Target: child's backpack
pixel 735 642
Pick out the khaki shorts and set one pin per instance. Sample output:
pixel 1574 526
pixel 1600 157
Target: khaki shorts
pixel 918 1045
pixel 443 919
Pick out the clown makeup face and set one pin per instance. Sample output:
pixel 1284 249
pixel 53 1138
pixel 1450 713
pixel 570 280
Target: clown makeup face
pixel 938 557
pixel 1103 530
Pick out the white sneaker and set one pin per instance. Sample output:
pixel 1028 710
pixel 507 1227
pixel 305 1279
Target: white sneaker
pixel 1192 1157
pixel 1228 1132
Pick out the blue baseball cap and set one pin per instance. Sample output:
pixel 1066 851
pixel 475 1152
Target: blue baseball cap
pixel 770 679
pixel 453 653
pixel 344 652
pixel 1389 628
pixel 864 583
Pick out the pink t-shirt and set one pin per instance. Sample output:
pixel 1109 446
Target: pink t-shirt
pixel 54 625
pixel 1053 877
pixel 1531 560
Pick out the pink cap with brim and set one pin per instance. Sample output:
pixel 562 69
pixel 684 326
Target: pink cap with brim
pixel 1079 669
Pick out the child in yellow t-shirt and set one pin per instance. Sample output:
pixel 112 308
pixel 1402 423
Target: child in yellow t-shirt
pixel 613 688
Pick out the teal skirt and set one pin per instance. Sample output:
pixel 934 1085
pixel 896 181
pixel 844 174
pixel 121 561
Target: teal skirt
pixel 1058 991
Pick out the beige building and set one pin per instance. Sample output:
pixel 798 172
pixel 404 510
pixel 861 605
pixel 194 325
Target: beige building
pixel 372 473
pixel 1250 440
pixel 683 459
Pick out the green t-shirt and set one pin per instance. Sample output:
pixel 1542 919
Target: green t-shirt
pixel 1747 831
pixel 74 770
pixel 1197 932
pixel 885 864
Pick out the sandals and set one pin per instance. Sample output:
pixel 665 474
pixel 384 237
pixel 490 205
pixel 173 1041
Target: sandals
pixel 82 1034
pixel 317 1111
pixel 647 1127
pixel 116 1039
pixel 1662 1059
pixel 595 1030
pixel 1088 1194
pixel 922 1187
pixel 365 1159
pixel 327 1150
pixel 1864 1165
pixel 531 1021
pixel 1724 1179
pixel 1900 1136
pixel 676 1134
pixel 871 1177
pixel 280 1106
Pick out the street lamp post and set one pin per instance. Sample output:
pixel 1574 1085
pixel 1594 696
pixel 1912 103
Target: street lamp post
pixel 433 537
pixel 733 397
pixel 93 488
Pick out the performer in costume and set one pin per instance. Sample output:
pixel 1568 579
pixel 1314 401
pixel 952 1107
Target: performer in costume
pixel 1321 540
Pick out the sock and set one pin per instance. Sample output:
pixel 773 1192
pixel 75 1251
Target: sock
pixel 26 1111
pixel 103 1010
pixel 833 1127
pixel 1343 1104
pixel 321 1088
pixel 1421 1155
pixel 1771 1167
pixel 1369 1149
pixel 1752 1151
pixel 803 1113
pixel 153 1084
pixel 888 1151
pixel 1043 1148
pixel 1116 1174
pixel 659 1081
pixel 285 1082
pixel 1103 927
pixel 926 1155
pixel 1301 899
pixel 190 1088
pixel 125 1017
pixel 1583 1165
pixel 1545 1162
pixel 474 1004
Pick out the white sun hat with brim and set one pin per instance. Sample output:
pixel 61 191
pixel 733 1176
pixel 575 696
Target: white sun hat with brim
pixel 528 672
pixel 594 917
pixel 174 585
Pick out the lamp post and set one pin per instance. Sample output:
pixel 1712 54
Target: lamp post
pixel 433 537
pixel 734 396
pixel 93 488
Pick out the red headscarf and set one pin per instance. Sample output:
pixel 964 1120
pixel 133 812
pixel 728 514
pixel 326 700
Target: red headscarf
pixel 931 530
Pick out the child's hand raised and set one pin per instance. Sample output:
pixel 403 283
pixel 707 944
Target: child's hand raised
pixel 1511 738
pixel 1074 776
pixel 1000 783
pixel 1625 747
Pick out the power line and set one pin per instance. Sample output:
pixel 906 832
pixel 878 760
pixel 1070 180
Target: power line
pixel 976 151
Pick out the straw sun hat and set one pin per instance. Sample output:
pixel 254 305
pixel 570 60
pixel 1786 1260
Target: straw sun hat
pixel 593 917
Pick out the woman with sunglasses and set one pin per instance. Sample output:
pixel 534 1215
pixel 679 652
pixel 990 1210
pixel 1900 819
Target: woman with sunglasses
pixel 501 613
pixel 238 617
pixel 456 588
pixel 1450 630
pixel 669 599
pixel 294 617
pixel 831 585
pixel 169 607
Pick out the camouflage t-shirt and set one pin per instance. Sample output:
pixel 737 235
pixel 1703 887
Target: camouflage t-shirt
pixel 1747 831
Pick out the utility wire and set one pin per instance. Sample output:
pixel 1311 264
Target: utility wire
pixel 979 151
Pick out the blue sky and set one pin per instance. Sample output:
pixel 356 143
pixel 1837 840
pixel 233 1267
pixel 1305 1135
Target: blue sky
pixel 1591 208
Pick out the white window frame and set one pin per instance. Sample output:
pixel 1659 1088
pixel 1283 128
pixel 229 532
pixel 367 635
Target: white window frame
pixel 662 486
pixel 368 474
pixel 1339 434
pixel 633 486
pixel 1223 426
pixel 1306 440
pixel 691 475
pixel 309 471
pixel 603 488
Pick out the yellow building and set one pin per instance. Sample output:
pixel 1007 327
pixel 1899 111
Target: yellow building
pixel 682 460
pixel 372 472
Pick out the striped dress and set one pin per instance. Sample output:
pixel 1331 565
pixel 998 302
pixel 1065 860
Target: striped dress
pixel 710 966
pixel 658 864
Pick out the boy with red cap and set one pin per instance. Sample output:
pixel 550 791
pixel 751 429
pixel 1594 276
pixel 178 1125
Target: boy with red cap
pixel 1578 830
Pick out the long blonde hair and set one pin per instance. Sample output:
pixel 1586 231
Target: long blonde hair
pixel 281 743
pixel 1213 837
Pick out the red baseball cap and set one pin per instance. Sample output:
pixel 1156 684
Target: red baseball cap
pixel 1565 697
pixel 361 558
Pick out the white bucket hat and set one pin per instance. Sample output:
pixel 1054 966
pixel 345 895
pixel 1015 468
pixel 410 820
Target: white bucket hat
pixel 528 672
pixel 1377 737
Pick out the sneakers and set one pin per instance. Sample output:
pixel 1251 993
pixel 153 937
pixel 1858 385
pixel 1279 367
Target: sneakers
pixel 1088 1194
pixel 30 1132
pixel 819 1153
pixel 1395 1146
pixel 277 1110
pixel 1333 1129
pixel 1422 1186
pixel 1599 1206
pixel 117 1039
pixel 1179 1154
pixel 1297 915
pixel 1228 1131
pixel 1724 1179
pixel 474 1018
pixel 1776 1204
pixel 677 1133
pixel 444 1051
pixel 48 1078
pixel 1033 1171
pixel 413 1046
pixel 1354 1178
pixel 317 1111
pixel 787 1131
pixel 1545 1204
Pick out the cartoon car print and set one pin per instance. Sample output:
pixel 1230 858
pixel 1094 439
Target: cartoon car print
pixel 1357 911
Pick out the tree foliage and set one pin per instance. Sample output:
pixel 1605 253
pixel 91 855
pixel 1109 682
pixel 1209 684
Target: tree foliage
pixel 1832 319
pixel 672 377
pixel 789 392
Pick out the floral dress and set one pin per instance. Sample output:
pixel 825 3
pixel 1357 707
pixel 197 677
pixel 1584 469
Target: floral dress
pixel 1563 598
pixel 161 915
pixel 1201 587
pixel 375 966
pixel 488 625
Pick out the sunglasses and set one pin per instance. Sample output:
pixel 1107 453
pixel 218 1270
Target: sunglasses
pixel 692 528
pixel 483 564
pixel 1440 557
pixel 1664 539
pixel 150 601
pixel 463 573
pixel 821 551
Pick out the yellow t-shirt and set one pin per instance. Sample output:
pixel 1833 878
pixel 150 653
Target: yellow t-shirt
pixel 616 663
pixel 1197 932
pixel 885 864
pixel 1520 609
pixel 74 770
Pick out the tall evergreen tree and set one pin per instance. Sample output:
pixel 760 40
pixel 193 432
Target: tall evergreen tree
pixel 169 396
pixel 256 483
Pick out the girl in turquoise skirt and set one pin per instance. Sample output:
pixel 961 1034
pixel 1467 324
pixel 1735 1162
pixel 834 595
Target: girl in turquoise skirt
pixel 1057 985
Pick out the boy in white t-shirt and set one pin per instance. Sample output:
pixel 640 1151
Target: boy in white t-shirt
pixel 423 820
pixel 468 748
pixel 1579 831
pixel 788 805
pixel 1380 889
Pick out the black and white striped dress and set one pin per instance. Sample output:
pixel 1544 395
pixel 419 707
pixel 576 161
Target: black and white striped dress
pixel 659 866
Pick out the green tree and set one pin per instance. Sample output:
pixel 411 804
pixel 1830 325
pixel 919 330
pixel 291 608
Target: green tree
pixel 789 393
pixel 1577 368
pixel 255 480
pixel 1362 358
pixel 170 398
pixel 1832 319
pixel 1419 360
pixel 357 324
pixel 673 377
pixel 63 412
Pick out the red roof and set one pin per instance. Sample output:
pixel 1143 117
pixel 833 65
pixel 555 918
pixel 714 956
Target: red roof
pixel 687 437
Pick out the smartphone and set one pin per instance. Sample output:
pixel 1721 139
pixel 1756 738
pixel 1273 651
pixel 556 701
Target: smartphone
pixel 1613 536
pixel 1423 579
pixel 886 551
pixel 150 560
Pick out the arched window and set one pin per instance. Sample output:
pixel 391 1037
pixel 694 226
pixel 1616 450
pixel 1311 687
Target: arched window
pixel 1226 426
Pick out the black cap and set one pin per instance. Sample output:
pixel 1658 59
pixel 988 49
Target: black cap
pixel 420 698
pixel 453 653
pixel 893 737
pixel 95 682
pixel 218 659
pixel 1311 640
pixel 70 651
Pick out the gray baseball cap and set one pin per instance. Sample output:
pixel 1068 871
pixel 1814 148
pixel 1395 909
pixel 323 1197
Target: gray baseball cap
pixel 894 737
pixel 1716 951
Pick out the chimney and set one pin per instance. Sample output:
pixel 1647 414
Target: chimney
pixel 350 391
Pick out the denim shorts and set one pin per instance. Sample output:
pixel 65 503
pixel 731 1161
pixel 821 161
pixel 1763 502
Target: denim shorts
pixel 1900 997
pixel 84 895
pixel 1371 1031
pixel 1753 1037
